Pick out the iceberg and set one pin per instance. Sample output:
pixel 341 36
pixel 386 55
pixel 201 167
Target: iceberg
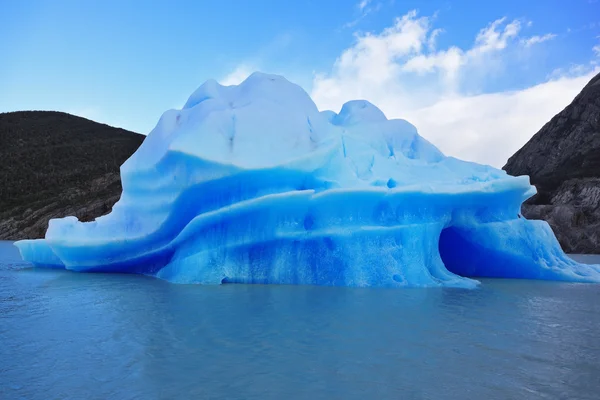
pixel 253 184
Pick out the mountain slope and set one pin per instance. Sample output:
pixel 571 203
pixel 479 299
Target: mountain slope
pixel 563 162
pixel 54 164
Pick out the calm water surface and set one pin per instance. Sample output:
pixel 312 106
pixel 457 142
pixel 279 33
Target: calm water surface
pixel 99 336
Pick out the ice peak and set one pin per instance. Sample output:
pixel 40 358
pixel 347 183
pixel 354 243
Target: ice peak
pixel 357 111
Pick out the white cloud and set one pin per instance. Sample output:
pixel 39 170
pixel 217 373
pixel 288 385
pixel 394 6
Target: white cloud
pixel 537 39
pixel 237 76
pixel 489 128
pixel 596 50
pixel 400 71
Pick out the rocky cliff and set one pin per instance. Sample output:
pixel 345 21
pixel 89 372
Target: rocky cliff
pixel 53 165
pixel 563 162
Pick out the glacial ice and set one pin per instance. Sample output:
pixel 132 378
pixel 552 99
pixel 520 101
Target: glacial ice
pixel 253 184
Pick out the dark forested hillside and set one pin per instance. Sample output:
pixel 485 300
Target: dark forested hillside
pixel 54 164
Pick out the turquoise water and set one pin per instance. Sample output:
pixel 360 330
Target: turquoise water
pixel 104 336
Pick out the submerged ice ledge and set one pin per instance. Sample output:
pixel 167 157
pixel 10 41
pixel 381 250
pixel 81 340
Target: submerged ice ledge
pixel 253 184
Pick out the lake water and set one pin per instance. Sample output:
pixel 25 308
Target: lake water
pixel 102 336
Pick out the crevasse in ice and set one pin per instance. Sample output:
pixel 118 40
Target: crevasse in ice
pixel 251 183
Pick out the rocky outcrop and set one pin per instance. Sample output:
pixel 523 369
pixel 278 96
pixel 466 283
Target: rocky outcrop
pixel 54 165
pixel 563 162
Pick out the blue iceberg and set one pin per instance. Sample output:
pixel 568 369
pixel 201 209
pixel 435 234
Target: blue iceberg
pixel 253 184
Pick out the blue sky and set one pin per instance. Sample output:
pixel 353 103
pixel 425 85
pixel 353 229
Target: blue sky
pixel 126 62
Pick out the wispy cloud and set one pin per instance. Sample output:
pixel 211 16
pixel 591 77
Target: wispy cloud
pixel 364 8
pixel 402 72
pixel 433 37
pixel 238 75
pixel 528 42
pixel 572 70
pixel 585 27
pixel 273 48
pixel 363 4
pixel 496 35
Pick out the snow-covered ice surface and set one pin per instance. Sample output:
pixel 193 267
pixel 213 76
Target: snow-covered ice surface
pixel 251 183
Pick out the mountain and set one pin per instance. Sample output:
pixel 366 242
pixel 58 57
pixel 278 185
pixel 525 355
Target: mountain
pixel 563 162
pixel 54 164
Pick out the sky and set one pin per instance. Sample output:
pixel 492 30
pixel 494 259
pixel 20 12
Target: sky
pixel 477 79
